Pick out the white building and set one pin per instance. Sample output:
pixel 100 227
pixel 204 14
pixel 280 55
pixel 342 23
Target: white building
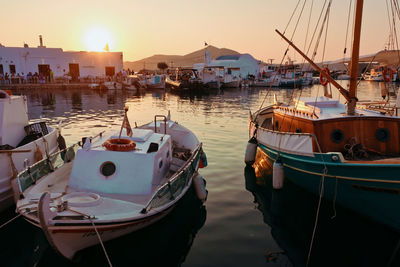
pixel 248 64
pixel 41 60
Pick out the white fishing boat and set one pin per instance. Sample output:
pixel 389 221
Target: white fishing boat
pixel 21 143
pixel 231 78
pixel 155 82
pixel 113 185
pixel 380 75
pixel 132 83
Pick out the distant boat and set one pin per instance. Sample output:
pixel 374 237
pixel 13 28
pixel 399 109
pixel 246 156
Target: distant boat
pixel 115 184
pixel 185 80
pixel 378 75
pixel 212 76
pixel 155 82
pixel 231 78
pixel 21 143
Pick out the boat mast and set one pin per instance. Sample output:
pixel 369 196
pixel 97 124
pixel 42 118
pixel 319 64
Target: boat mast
pixel 355 58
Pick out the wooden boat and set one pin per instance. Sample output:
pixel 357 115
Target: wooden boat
pixel 113 185
pixel 346 154
pixel 21 143
pixel 185 80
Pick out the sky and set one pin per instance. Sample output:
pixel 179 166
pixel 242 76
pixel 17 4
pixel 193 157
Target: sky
pixel 143 28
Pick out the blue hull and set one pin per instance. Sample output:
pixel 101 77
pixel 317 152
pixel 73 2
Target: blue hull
pixel 372 190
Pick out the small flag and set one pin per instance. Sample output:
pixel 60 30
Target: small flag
pixel 127 125
pixel 106 48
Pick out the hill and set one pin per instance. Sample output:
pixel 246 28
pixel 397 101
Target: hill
pixel 187 60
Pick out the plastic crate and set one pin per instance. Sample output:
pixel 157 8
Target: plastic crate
pixel 38 127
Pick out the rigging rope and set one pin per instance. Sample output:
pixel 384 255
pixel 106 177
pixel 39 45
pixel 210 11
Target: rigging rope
pixel 294 11
pixel 347 33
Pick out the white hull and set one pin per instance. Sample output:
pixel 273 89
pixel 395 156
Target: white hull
pixel 6 192
pixel 67 240
pixel 76 195
pixel 232 84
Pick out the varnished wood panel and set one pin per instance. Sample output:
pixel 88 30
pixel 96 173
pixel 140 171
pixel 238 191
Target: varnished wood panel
pixel 362 128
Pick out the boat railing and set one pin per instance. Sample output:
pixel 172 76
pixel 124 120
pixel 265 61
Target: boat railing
pixel 33 173
pixel 300 113
pixel 175 184
pixel 165 123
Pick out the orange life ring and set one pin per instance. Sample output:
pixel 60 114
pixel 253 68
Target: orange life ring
pixel 119 144
pixel 322 79
pixel 385 72
pixel 8 92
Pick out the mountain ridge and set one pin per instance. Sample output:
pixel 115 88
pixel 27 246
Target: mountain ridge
pixel 150 63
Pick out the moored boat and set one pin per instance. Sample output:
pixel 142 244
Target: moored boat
pixel 112 185
pixel 21 143
pixel 346 154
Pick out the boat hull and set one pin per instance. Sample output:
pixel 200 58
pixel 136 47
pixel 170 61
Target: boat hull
pixel 368 189
pixel 47 143
pixel 67 240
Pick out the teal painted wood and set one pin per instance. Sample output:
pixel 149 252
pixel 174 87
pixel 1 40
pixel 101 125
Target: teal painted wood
pixel 363 188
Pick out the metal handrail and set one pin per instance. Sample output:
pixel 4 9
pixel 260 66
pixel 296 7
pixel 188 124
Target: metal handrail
pixel 165 123
pixel 29 168
pixel 173 178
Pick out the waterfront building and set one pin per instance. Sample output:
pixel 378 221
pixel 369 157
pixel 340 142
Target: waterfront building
pixel 58 63
pixel 247 64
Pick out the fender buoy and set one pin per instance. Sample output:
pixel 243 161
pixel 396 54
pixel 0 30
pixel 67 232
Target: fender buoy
pixel 322 79
pixel 119 144
pixel 277 174
pixel 385 73
pixel 200 187
pixel 251 151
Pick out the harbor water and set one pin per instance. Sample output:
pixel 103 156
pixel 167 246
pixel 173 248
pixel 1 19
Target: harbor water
pixel 244 221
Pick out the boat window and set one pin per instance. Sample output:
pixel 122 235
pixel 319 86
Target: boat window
pixel 382 134
pixel 107 168
pixel 337 136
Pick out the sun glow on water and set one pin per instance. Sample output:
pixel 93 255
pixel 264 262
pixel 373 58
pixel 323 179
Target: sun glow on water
pixel 96 39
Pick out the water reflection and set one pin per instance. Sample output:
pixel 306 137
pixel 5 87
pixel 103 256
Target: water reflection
pixel 342 238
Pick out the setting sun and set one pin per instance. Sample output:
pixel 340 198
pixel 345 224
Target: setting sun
pixel 97 38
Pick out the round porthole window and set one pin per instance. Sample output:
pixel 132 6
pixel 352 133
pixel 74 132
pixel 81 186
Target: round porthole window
pixel 107 168
pixel 337 136
pixel 382 134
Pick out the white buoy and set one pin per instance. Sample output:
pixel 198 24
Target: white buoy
pixel 251 151
pixel 200 187
pixel 277 174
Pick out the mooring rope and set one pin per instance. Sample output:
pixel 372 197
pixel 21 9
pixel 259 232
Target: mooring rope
pixel 321 193
pixel 101 243
pixel 9 221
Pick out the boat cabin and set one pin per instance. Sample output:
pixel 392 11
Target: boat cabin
pixel 133 172
pixel 378 134
pixel 13 119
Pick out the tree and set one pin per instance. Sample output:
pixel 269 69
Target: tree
pixel 162 66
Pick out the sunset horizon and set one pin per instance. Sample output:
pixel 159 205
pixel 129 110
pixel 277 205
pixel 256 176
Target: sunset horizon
pixel 141 30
